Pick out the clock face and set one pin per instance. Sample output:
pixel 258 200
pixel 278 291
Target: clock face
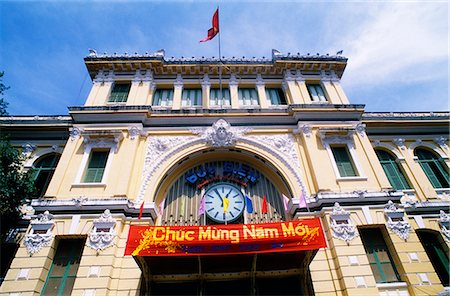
pixel 224 202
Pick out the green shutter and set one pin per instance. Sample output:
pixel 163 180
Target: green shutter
pixel 392 170
pixel 343 161
pixel 433 168
pixel 119 93
pixel 96 167
pixel 380 258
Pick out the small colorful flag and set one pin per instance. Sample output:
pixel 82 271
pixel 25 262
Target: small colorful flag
pixel 215 27
pixel 248 204
pixel 201 208
pixel 161 207
pixel 264 208
pixel 285 202
pixel 302 201
pixel 141 210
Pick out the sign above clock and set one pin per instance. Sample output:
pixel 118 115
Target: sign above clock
pixel 212 172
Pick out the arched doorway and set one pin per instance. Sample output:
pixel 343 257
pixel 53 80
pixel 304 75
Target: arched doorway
pixel 220 181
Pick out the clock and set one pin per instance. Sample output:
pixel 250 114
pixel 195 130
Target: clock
pixel 224 202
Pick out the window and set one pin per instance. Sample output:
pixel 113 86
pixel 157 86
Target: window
pixel 163 97
pixel 316 93
pixel 392 170
pixel 191 97
pixel 248 97
pixel 119 93
pixel 275 96
pixel 380 259
pixel 215 99
pixel 43 171
pixel 63 270
pixel 343 161
pixel 96 168
pixel 437 251
pixel 433 168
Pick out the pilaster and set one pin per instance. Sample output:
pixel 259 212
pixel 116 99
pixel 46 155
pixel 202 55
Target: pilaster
pixel 260 87
pixel 206 88
pixel 233 84
pixel 291 87
pixel 177 91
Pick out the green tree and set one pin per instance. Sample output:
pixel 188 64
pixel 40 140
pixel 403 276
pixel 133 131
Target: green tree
pixel 3 102
pixel 16 185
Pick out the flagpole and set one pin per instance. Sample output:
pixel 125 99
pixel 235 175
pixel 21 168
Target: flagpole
pixel 220 65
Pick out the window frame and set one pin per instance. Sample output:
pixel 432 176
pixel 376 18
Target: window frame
pixel 162 89
pixel 329 140
pixel 377 262
pixel 240 90
pixel 73 254
pixel 111 93
pixel 50 170
pixel 441 168
pixel 394 163
pixel 224 90
pixel 185 100
pixel 96 144
pixel 278 90
pixel 313 84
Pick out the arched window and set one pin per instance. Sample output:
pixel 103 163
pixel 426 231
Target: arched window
pixel 437 251
pixel 392 170
pixel 43 171
pixel 433 168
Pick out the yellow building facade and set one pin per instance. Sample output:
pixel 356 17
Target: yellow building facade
pixel 158 136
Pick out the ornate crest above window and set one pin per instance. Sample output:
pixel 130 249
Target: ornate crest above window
pixel 341 225
pixel 40 234
pixel 103 233
pixel 396 220
pixel 444 223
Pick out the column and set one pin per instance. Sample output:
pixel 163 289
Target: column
pixel 305 98
pixel 177 91
pixel 206 88
pixel 103 94
pixel 260 87
pixel 293 90
pixel 233 84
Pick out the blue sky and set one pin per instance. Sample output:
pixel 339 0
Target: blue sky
pixel 398 51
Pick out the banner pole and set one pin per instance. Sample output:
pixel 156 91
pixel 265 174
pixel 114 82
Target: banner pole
pixel 220 64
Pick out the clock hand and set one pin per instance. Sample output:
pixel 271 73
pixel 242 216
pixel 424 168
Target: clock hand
pixel 218 194
pixel 226 202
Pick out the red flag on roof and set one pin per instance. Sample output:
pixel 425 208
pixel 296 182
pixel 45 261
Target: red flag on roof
pixel 215 27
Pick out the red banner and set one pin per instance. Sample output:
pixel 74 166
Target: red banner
pixel 287 236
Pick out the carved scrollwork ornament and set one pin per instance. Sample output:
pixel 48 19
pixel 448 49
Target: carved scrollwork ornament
pixel 444 223
pixel 396 220
pixel 221 134
pixel 400 142
pixel 341 225
pixel 40 234
pixel 103 233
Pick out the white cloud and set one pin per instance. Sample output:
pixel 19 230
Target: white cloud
pixel 399 42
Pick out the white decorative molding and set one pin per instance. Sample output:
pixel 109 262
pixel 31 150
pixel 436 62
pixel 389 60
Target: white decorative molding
pixel 103 233
pixel 361 129
pixel 134 132
pixel 233 80
pixel 305 129
pixel 444 223
pixel 341 225
pixel 74 133
pixel 112 143
pixel 221 134
pixel 399 142
pixel 40 234
pixel 259 80
pixel 396 220
pixel 441 141
pixel 28 148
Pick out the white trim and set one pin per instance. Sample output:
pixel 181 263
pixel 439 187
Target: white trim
pixel 89 145
pixel 347 141
pixel 391 285
pixel 432 146
pixel 352 178
pixel 389 148
pixel 30 161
